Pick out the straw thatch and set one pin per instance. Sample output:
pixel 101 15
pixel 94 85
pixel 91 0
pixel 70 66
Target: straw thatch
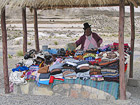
pixel 3 3
pixel 44 4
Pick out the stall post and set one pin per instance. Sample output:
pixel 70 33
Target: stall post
pixel 4 44
pixel 121 50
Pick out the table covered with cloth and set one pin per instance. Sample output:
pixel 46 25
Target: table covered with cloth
pixel 109 87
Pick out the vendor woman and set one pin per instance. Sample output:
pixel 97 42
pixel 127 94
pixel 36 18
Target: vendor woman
pixel 89 40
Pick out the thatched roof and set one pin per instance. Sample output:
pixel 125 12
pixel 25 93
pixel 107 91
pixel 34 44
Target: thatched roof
pixel 45 4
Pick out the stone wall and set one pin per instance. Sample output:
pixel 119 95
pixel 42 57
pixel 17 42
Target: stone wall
pixel 68 90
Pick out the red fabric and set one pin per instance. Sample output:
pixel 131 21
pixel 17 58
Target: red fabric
pixel 59 79
pixel 82 39
pixel 51 79
pixel 125 67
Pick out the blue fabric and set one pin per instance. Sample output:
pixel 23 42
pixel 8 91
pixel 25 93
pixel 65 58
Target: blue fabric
pixel 43 82
pixel 82 62
pixel 56 66
pixel 52 51
pixel 23 68
pixel 44 76
pixel 109 72
pixel 112 76
pixel 71 60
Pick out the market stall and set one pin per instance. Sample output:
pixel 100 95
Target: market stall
pixel 97 68
pixel 62 4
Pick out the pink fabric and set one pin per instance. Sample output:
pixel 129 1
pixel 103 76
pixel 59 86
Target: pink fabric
pixel 87 43
pixel 82 39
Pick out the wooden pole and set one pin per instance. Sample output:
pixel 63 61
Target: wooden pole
pixel 4 44
pixel 24 23
pixel 121 50
pixel 36 30
pixel 132 39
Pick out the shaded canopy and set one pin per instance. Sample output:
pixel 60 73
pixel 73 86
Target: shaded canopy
pixel 45 4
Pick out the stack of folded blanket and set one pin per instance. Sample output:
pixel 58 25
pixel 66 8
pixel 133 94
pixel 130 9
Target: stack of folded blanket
pixel 68 70
pixel 110 70
pixel 44 78
pixel 55 70
pixel 95 73
pixel 83 70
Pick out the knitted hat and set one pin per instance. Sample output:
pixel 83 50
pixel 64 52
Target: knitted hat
pixel 86 25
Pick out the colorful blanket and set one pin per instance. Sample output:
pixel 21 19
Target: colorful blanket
pixel 109 87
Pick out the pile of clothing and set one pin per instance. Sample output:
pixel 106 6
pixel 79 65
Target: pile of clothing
pixel 95 64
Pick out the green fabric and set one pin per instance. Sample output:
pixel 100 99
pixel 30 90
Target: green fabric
pixel 71 46
pixel 109 87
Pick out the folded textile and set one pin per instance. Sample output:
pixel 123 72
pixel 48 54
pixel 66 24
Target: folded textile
pixel 23 68
pixel 52 78
pixel 55 71
pixel 34 68
pixel 109 70
pixel 106 62
pixel 44 76
pixel 115 79
pixel 95 73
pixel 96 76
pixel 81 71
pixel 84 74
pixel 95 70
pixel 44 79
pixel 67 72
pixel 84 78
pixel 71 60
pixel 71 63
pixel 52 51
pixel 82 62
pixel 70 74
pixel 84 67
pixel 112 76
pixel 114 66
pixel 58 75
pixel 56 66
pixel 81 65
pixel 71 70
pixel 43 82
pixel 94 67
pixel 71 77
pixel 109 74
pixel 79 52
pixel 66 67
pixel 44 69
pixel 89 58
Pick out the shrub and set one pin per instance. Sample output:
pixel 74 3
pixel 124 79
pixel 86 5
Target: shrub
pixel 20 53
pixel 17 42
pixel 29 43
pixel 56 43
pixel 50 36
pixel 9 56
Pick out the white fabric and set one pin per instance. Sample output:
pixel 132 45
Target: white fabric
pixel 82 65
pixel 15 77
pixel 29 62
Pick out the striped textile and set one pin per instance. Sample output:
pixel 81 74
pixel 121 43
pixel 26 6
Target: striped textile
pixel 109 87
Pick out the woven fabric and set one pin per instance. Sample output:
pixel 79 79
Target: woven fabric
pixel 109 87
pixel 71 46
